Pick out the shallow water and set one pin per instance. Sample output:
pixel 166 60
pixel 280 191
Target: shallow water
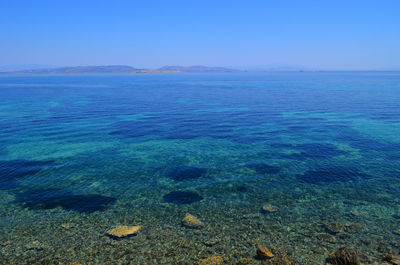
pixel 81 154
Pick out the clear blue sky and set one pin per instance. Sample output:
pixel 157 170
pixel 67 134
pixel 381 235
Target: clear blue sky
pixel 352 34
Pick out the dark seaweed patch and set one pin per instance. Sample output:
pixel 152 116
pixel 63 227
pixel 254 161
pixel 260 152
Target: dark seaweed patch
pixel 314 150
pixel 280 145
pixel 12 170
pixel 363 142
pixel 52 198
pixel 241 189
pixel 262 168
pixel 337 174
pixel 320 150
pixel 182 197
pixel 186 173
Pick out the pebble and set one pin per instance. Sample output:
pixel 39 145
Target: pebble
pixel 214 260
pixel 67 226
pixel 211 242
pixel 124 230
pixel 264 252
pixel 357 214
pixel 394 259
pixel 268 208
pixel 191 221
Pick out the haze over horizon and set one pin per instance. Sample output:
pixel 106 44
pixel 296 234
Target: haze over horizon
pixel 342 35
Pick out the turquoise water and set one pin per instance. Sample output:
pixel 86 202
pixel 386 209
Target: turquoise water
pixel 81 154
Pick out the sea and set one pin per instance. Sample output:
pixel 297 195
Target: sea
pixel 303 163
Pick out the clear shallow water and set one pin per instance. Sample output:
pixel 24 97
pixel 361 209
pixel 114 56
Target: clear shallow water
pixel 81 154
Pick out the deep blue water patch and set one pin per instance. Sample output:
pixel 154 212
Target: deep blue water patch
pixel 135 129
pixel 12 170
pixel 249 139
pixel 189 125
pixel 263 168
pixel 10 126
pixel 43 199
pixel 186 173
pixel 332 174
pixel 295 156
pixel 172 129
pixel 182 197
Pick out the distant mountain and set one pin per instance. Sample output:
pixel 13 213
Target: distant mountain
pixel 80 70
pixel 196 69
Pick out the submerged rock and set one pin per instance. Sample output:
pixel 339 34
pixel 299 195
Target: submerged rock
pixel 345 256
pixel 268 208
pixel 356 214
pixel 124 230
pixel 191 221
pixel 264 252
pixel 67 226
pixel 35 245
pixel 215 260
pixel 393 259
pixel 182 197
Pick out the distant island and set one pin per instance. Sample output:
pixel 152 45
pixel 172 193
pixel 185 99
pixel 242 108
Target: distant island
pixel 155 71
pixel 113 69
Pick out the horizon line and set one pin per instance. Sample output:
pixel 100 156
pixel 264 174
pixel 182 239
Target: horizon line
pixel 271 68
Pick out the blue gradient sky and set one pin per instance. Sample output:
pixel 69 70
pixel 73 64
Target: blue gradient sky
pixel 319 34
